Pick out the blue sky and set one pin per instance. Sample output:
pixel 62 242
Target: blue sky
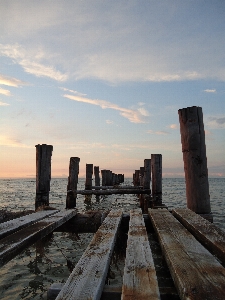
pixel 103 80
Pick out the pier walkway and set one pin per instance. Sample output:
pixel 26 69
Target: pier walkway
pixel 193 248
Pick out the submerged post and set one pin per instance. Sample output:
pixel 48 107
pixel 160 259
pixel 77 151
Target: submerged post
pixel 156 164
pixel 43 174
pixel 195 160
pixel 89 172
pixel 72 182
pixel 147 173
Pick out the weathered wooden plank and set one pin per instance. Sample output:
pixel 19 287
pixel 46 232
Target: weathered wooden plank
pixel 196 272
pixel 139 279
pixel 11 226
pixel 211 236
pixel 88 277
pixel 112 191
pixel 12 245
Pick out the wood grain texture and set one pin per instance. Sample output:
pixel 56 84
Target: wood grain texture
pixel 11 226
pixel 195 160
pixel 196 272
pixel 211 236
pixel 88 277
pixel 13 244
pixel 139 280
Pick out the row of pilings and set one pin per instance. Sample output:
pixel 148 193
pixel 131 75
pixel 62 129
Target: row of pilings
pixel 195 168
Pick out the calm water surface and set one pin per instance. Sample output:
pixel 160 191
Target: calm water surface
pixel 29 275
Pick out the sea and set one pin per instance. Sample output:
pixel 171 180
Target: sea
pixel 31 273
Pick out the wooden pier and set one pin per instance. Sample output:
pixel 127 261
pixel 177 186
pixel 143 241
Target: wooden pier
pixel 190 248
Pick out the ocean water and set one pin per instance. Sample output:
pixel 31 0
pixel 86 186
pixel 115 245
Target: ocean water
pixel 29 275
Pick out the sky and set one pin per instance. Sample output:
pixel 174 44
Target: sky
pixel 104 80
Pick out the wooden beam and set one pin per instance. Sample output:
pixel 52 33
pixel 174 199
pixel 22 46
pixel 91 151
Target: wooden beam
pixel 139 279
pixel 12 245
pixel 211 236
pixel 11 226
pixel 112 191
pixel 196 272
pixel 118 187
pixel 195 160
pixel 88 277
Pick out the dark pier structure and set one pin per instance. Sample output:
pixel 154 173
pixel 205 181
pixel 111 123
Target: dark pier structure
pixel 182 243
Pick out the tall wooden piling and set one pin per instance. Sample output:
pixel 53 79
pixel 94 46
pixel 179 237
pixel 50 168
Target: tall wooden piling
pixel 156 166
pixel 195 160
pixel 147 173
pixel 43 174
pixel 103 172
pixel 72 182
pixel 97 177
pixel 89 172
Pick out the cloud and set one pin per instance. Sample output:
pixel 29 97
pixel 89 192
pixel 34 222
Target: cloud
pixel 10 81
pixel 158 132
pixel 31 61
pixel 210 90
pixel 3 104
pixel 216 122
pixel 11 142
pixel 73 92
pixel 109 122
pixel 117 40
pixel 134 116
pixel 173 126
pixel 5 92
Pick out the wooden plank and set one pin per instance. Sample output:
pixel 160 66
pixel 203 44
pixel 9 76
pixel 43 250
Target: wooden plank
pixel 88 277
pixel 11 226
pixel 12 245
pixel 196 272
pixel 139 279
pixel 211 236
pixel 113 191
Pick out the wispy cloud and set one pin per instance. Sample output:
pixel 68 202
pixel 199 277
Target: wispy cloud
pixel 161 132
pixel 10 81
pixel 11 142
pixel 210 90
pixel 101 41
pixel 109 122
pixel 73 92
pixel 173 126
pixel 31 61
pixel 216 122
pixel 134 116
pixel 3 104
pixel 5 92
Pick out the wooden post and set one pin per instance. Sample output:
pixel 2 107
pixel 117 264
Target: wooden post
pixel 156 164
pixel 108 182
pixel 43 174
pixel 89 172
pixel 72 182
pixel 136 180
pixel 147 173
pixel 195 161
pixel 97 177
pixel 141 175
pixel 103 172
